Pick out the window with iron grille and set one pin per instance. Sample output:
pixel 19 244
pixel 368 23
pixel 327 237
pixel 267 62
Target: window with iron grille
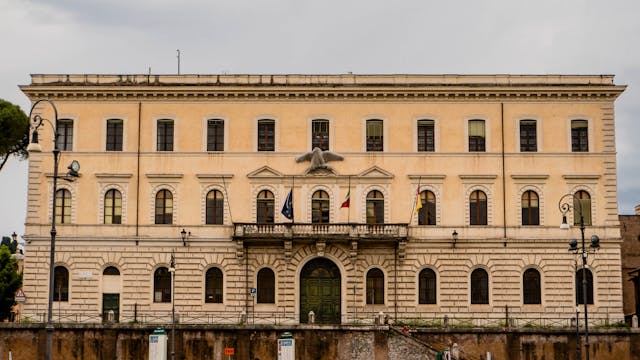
pixel 579 288
pixel 531 289
pixel 266 286
pixel 427 287
pixel 375 286
pixel 213 286
pixel 479 287
pixel 162 285
pixel 60 284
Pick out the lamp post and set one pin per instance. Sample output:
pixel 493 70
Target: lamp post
pixel 576 205
pixel 36 122
pixel 172 271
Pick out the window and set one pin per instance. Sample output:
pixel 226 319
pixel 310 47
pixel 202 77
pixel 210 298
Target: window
pixel 63 206
pixel 478 208
pixel 215 207
pixel 375 286
pixel 114 135
pixel 427 213
pixel 530 208
pixel 266 135
pixel 320 134
pixel 266 286
pixel 213 286
pixel 426 135
pixel 582 206
pixel 264 207
pixel 165 135
pixel 427 287
pixel 479 287
pixel 531 289
pixel 320 207
pixel 375 135
pixel 162 285
pixel 528 136
pixel 164 207
pixel 111 270
pixel 60 284
pixel 113 207
pixel 375 207
pixel 64 130
pixel 215 135
pixel 579 136
pixel 579 288
pixel 476 135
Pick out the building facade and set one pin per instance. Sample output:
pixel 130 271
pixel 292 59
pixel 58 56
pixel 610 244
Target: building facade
pixel 630 231
pixel 275 230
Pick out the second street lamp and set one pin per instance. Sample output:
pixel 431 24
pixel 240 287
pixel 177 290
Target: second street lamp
pixel 577 206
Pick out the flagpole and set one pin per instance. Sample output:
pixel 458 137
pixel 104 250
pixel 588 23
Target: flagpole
pixel 293 182
pixel 349 207
pixel 417 198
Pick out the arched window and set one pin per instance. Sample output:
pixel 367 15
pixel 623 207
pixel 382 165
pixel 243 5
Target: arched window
pixel 266 286
pixel 164 207
pixel 215 207
pixel 113 207
pixel 579 289
pixel 60 284
pixel 582 206
pixel 479 287
pixel 427 287
pixel 375 286
pixel 320 207
pixel 478 208
pixel 213 286
pixel 531 289
pixel 264 207
pixel 427 213
pixel 111 270
pixel 530 208
pixel 162 285
pixel 375 207
pixel 63 206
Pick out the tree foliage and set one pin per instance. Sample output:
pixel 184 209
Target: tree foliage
pixel 14 134
pixel 10 282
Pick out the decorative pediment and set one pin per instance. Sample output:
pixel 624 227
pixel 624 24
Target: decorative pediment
pixel 321 172
pixel 265 172
pixel 375 172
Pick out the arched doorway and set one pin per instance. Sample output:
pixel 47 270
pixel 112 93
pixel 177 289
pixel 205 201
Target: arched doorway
pixel 320 291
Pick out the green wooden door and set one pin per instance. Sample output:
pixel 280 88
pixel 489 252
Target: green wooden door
pixel 110 302
pixel 320 291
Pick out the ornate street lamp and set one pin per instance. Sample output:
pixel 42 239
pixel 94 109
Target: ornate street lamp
pixel 37 121
pixel 565 207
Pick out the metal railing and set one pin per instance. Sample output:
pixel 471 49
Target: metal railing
pixel 307 230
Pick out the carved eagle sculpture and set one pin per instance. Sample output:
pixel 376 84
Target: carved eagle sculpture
pixel 319 159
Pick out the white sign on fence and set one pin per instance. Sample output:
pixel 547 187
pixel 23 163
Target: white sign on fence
pixel 286 349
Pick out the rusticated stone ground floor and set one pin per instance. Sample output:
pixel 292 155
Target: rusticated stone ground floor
pixel 96 342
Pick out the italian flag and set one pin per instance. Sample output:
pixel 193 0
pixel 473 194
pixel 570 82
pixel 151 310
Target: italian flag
pixel 347 200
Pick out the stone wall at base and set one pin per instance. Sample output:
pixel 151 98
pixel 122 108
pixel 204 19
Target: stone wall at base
pixel 131 342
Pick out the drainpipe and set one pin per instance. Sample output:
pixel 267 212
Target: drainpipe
pixel 395 282
pixel 504 180
pixel 138 173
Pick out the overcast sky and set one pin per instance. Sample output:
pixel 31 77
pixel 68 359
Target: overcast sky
pixel 299 36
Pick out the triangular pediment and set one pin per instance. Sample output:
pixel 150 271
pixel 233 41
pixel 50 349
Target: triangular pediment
pixel 375 172
pixel 265 172
pixel 320 172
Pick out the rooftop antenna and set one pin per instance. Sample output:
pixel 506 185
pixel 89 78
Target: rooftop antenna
pixel 178 61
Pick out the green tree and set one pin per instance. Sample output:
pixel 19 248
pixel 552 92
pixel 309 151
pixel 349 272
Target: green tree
pixel 14 136
pixel 10 282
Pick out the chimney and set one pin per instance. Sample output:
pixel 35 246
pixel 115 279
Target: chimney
pixel 637 208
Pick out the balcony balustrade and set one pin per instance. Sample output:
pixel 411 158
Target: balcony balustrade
pixel 346 231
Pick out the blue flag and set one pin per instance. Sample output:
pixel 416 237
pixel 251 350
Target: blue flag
pixel 287 208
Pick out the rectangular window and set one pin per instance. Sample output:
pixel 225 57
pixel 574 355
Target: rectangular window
pixel 579 136
pixel 375 135
pixel 476 135
pixel 528 136
pixel 266 135
pixel 64 129
pixel 165 135
pixel 114 135
pixel 215 135
pixel 320 134
pixel 426 135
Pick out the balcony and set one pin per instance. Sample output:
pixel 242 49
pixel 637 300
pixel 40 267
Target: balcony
pixel 300 231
